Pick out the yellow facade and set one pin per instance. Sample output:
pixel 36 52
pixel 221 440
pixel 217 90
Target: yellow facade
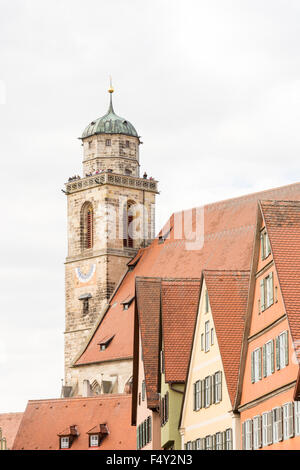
pixel 205 362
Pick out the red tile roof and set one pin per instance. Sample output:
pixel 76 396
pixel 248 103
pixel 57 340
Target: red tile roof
pixel 228 294
pixel 180 299
pixel 43 420
pixel 9 424
pixel 148 295
pixel 229 228
pixel 282 219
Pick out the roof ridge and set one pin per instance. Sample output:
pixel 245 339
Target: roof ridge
pixel 105 396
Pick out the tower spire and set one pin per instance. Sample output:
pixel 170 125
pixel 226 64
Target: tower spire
pixel 110 91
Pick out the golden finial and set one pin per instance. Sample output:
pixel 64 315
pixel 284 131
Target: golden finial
pixel 110 90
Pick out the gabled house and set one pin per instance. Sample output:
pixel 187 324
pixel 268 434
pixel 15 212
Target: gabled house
pixel 208 418
pixel 165 317
pixel 269 381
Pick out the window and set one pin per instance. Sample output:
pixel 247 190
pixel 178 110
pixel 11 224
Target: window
pixel 282 350
pixel 197 395
pixel 207 391
pixel 208 443
pixel 94 440
pixel 127 143
pixel 256 365
pixel 90 144
pixel 288 421
pixel 198 444
pixel 256 432
pixel 266 292
pixel 64 442
pixel 268 358
pixel 164 409
pixel 206 336
pixel 143 390
pixel 108 142
pixel 218 386
pixel 86 226
pixel 219 445
pixel 189 445
pixel 267 428
pixel 85 307
pixel 228 439
pixel 277 424
pixel 202 342
pixel 144 433
pixel 102 347
pixel 247 435
pixel 297 417
pixel 212 336
pixel 206 302
pixel 140 399
pixel 265 245
pixel 128 224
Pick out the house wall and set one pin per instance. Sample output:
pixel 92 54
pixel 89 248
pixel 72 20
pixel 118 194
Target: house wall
pixel 143 412
pixel 263 327
pixel 217 417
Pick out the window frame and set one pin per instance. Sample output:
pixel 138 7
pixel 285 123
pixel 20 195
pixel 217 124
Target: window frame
pixel 67 440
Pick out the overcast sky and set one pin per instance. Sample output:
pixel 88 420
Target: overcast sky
pixel 212 86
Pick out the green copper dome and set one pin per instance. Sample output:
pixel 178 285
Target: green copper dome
pixel 110 123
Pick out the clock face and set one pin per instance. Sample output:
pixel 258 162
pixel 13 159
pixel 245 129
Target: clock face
pixel 85 277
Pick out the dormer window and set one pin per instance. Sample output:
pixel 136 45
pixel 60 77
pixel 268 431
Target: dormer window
pixel 97 434
pixel 94 440
pixel 67 436
pixel 104 343
pixel 127 302
pixel 265 245
pixel 64 442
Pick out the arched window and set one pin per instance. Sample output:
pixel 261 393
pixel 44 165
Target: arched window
pixel 87 229
pixel 127 220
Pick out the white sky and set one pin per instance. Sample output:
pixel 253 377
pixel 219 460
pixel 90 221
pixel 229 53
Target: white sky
pixel 212 86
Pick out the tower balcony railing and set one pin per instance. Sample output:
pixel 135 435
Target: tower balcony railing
pixel 107 177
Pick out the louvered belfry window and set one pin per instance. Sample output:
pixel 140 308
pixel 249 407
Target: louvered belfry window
pixel 87 225
pixel 89 228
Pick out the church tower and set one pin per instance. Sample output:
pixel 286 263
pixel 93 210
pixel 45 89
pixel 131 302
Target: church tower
pixel 110 216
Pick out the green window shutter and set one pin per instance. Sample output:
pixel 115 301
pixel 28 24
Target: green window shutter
pixel 213 388
pixel 271 288
pixel 220 387
pixel 259 363
pixel 195 395
pixel 277 353
pixel 138 438
pixel 264 360
pixel 272 357
pixel 200 394
pixel 286 348
pixel 150 428
pixel 223 440
pixel 214 442
pixel 262 295
pixel 252 367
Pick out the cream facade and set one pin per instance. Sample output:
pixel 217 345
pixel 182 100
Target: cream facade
pixel 209 423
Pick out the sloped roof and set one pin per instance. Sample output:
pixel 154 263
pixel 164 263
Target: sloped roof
pixel 228 295
pixel 9 424
pixel 148 297
pixel 180 299
pixel 43 420
pixel 282 219
pixel 229 228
